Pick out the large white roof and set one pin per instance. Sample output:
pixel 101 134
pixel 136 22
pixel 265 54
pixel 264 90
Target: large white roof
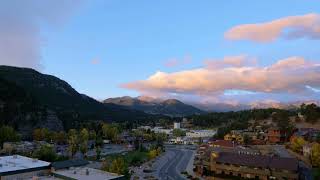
pixel 16 162
pixel 93 174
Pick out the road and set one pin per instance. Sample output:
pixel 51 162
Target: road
pixel 281 151
pixel 176 161
pixel 168 166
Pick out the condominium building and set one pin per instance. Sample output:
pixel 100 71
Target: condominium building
pixel 243 165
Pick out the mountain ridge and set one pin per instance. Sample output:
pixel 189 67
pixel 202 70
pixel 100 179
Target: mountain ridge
pixel 169 107
pixel 30 99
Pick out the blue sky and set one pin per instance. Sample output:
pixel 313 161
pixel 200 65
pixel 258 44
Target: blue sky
pixel 103 44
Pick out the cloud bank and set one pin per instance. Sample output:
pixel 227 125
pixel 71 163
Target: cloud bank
pixel 292 75
pixel 292 27
pixel 21 23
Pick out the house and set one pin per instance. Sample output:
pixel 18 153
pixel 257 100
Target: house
pixel 306 149
pixel 21 167
pixel 301 133
pixel 186 123
pixel 19 147
pixel 275 135
pixel 222 143
pixel 234 135
pixel 242 165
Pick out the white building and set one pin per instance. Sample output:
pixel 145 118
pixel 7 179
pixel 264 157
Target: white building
pixel 183 140
pixel 162 130
pixel 84 173
pixel 176 125
pixel 145 127
pixel 201 133
pixel 20 167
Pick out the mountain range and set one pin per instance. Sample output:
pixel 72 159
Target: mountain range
pixel 169 107
pixel 29 99
pixel 225 107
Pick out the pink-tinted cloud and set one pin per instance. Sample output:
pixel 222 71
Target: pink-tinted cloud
pixel 290 75
pixel 292 27
pixel 177 62
pixel 230 61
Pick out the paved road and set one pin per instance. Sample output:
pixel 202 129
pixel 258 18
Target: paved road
pixel 176 161
pixel 168 166
pixel 281 151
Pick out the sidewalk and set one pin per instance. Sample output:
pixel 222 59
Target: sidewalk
pixel 190 167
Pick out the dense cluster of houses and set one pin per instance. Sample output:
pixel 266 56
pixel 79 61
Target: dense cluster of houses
pixel 191 136
pixel 258 158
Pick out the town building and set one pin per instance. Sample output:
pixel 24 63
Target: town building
pixel 234 135
pixel 158 129
pixel 309 134
pixel 145 127
pixel 183 140
pixel 242 165
pixel 68 164
pixel 306 149
pixel 275 135
pixel 176 125
pixel 187 124
pixel 222 143
pixel 84 173
pixel 201 133
pixel 20 167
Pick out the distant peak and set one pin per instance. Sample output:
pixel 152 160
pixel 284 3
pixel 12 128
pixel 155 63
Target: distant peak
pixel 172 101
pixel 146 98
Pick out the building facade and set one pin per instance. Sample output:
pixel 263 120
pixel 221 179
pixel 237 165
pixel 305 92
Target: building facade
pixel 242 165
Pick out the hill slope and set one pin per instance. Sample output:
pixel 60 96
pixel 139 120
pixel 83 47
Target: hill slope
pixel 170 107
pixel 36 99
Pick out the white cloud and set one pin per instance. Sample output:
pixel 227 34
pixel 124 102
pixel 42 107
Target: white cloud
pixel 20 28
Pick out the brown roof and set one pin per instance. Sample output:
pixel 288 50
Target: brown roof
pixel 258 161
pixel 223 143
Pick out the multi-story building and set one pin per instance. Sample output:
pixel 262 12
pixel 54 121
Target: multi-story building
pixel 275 135
pixel 243 165
pixel 176 125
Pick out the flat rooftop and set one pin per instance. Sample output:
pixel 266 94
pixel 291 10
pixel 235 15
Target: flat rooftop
pixel 16 163
pixel 80 173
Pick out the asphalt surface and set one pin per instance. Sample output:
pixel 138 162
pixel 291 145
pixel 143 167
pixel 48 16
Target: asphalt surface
pixel 167 166
pixel 175 161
